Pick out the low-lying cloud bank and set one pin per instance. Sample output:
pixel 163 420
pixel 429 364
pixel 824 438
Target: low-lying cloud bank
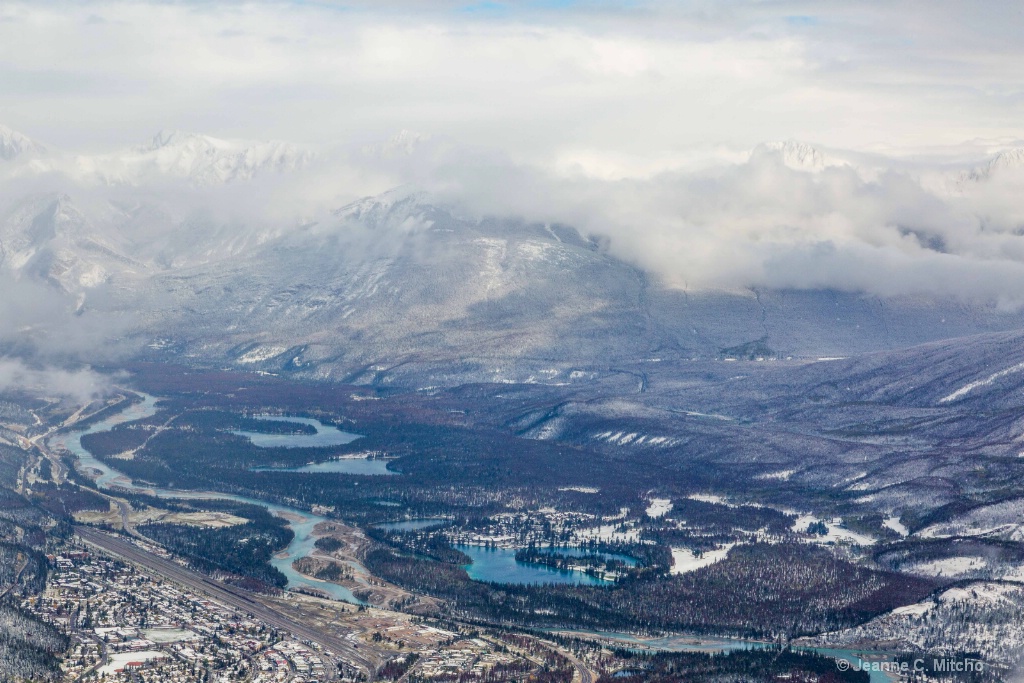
pixel 789 217
pixel 81 385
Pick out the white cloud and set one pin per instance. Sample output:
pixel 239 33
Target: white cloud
pixel 650 81
pixel 632 122
pixel 82 385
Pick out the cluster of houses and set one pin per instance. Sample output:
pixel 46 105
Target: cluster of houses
pixel 123 621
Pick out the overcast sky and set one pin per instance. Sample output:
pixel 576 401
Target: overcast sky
pixel 616 87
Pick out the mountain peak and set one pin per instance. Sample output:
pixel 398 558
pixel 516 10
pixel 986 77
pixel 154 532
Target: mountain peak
pixel 403 143
pixel 797 155
pixel 14 144
pixel 170 138
pixel 1006 159
pixel 201 159
pixel 375 208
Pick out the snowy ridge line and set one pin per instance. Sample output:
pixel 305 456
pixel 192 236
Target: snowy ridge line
pixel 968 388
pixel 622 438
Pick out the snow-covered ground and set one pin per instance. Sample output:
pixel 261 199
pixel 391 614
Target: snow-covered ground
pixel 684 560
pixel 168 635
pixel 1002 519
pixel 981 617
pixel 782 475
pixel 118 660
pixel 610 533
pixel 968 388
pixel 261 353
pixel 836 532
pixel 947 567
pixel 711 498
pixel 659 507
pixel 896 525
pixel 621 438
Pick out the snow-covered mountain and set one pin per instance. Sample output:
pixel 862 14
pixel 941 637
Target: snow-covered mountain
pixel 402 287
pixel 14 145
pixel 199 159
pixel 396 289
pixel 1004 161
pixel 799 156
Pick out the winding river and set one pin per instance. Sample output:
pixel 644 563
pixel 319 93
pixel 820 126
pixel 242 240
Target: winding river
pixel 502 565
pixel 300 522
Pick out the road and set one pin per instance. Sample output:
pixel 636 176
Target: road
pixel 17 578
pixel 586 676
pixel 228 596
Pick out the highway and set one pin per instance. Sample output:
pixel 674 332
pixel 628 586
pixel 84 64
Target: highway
pixel 229 596
pixel 586 676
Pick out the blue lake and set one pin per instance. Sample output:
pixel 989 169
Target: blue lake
pixel 325 436
pixel 499 565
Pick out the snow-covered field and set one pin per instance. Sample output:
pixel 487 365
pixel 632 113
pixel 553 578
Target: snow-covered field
pixel 659 507
pixel 168 635
pixel 896 525
pixel 836 532
pixel 684 560
pixel 118 660
pixel 947 567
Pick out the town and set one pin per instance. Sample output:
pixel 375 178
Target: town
pixel 127 624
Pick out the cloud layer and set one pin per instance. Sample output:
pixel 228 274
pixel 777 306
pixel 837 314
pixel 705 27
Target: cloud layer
pixel 615 87
pixel 82 385
pixel 633 122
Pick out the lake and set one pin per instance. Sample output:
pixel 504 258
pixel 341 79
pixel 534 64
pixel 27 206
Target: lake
pixel 325 436
pixel 499 565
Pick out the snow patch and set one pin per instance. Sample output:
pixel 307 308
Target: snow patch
pixel 836 532
pixel 783 475
pixel 949 566
pixel 685 560
pixel 636 439
pixel 914 610
pixel 968 388
pixel 896 525
pixel 262 353
pixel 659 507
